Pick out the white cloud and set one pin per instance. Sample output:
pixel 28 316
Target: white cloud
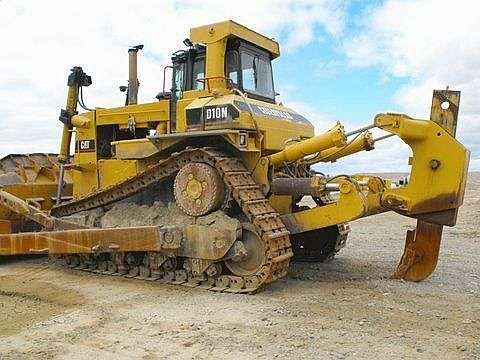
pixel 433 43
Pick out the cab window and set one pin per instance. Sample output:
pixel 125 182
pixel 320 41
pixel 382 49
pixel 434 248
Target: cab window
pixel 232 66
pixel 257 75
pixel 188 68
pixel 249 75
pixel 264 76
pixel 179 73
pixel 198 73
pixel 249 68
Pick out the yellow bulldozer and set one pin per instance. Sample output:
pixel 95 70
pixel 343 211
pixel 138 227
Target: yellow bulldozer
pixel 236 164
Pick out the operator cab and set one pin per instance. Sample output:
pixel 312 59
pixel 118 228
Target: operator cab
pixel 247 68
pixel 188 70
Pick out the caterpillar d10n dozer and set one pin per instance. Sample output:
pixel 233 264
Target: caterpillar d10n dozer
pixel 223 154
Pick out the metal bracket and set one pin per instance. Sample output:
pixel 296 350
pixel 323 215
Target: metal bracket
pixel 444 111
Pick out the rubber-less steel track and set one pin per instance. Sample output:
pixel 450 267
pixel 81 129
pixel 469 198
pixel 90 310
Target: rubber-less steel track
pixel 244 191
pixel 343 230
pixel 320 245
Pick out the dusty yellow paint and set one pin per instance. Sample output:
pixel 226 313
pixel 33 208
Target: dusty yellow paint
pixel 213 33
pixel 66 131
pixel 134 149
pixel 281 203
pixel 113 171
pixel 85 171
pixel 142 114
pixel 437 179
pixel 297 151
pixel 362 142
pixel 351 204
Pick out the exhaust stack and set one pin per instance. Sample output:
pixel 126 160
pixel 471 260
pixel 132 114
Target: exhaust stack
pixel 132 94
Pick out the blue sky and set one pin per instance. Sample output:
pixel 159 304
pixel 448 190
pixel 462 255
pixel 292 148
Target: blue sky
pixel 341 60
pixel 341 91
pixel 326 82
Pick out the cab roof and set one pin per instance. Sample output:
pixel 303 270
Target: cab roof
pixel 207 34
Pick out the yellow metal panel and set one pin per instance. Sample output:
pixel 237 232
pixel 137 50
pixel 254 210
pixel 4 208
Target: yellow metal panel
pixel 281 203
pixel 114 171
pixel 181 120
pixel 352 204
pixel 208 34
pixel 278 132
pixel 275 132
pixel 215 64
pixel 142 113
pixel 134 149
pixel 85 177
pixel 439 166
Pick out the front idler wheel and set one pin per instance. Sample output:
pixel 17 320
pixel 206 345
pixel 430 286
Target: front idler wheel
pixel 255 256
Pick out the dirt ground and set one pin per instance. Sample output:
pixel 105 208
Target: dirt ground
pixel 346 309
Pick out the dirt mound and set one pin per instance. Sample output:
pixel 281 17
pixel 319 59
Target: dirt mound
pixel 131 214
pixel 126 214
